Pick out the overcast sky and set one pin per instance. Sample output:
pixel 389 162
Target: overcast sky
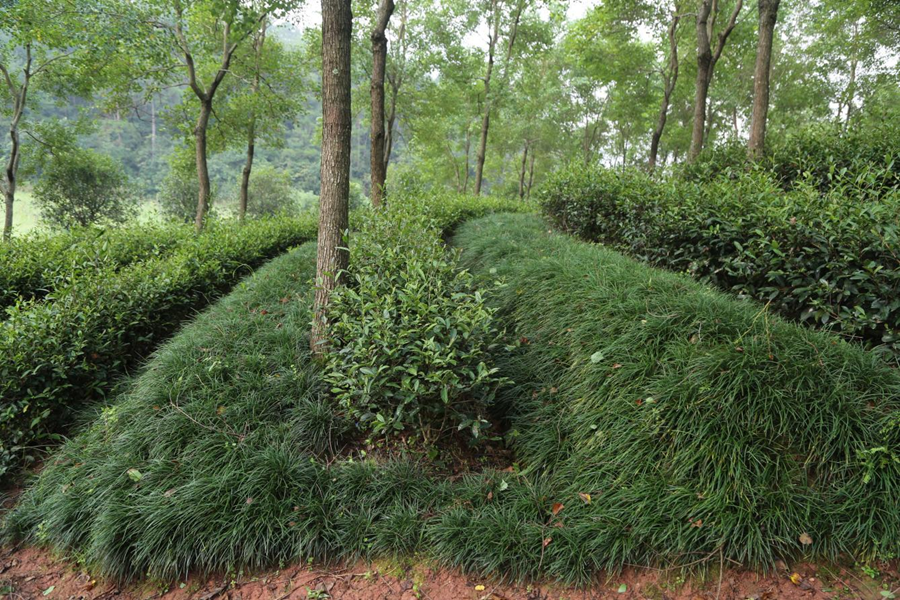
pixel 311 14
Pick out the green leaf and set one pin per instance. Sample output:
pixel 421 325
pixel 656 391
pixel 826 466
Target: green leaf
pixel 623 588
pixel 597 356
pixel 134 475
pixel 49 590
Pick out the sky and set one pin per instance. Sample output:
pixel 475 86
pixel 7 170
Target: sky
pixel 311 14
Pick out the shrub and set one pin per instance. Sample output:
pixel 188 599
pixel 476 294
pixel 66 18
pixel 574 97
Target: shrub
pixel 36 265
pixel 411 338
pixel 865 160
pixel 83 187
pixel 828 259
pixel 271 192
pixel 179 193
pixel 61 354
pixel 698 425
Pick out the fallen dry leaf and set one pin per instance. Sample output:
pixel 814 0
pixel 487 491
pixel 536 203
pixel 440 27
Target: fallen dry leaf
pixel 585 497
pixel 558 506
pixel 546 542
pixel 796 578
pixel 805 539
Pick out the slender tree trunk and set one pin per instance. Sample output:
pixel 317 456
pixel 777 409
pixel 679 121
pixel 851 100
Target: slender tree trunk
pixel 701 85
pixel 389 131
pixel 468 149
pixel 245 172
pixel 486 115
pixel 768 14
pixel 488 98
pixel 20 97
pixel 251 128
pixel 530 176
pixel 152 128
pixel 670 78
pixel 851 86
pixel 332 256
pixel 706 64
pixel 522 171
pixel 200 131
pixel 379 60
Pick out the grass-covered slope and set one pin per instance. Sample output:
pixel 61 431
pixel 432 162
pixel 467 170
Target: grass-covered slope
pixel 697 423
pixel 654 421
pixel 208 461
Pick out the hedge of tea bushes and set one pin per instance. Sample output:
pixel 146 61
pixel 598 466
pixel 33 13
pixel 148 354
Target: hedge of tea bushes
pixel 35 265
pixel 71 348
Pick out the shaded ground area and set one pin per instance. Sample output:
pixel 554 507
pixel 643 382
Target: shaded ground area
pixel 31 573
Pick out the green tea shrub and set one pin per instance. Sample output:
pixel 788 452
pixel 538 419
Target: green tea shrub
pixel 35 265
pixel 829 259
pixel 864 160
pixel 64 352
pixel 411 338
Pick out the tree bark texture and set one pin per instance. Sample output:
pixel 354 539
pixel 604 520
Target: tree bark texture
pixel 670 77
pixel 768 15
pixel 379 62
pixel 332 255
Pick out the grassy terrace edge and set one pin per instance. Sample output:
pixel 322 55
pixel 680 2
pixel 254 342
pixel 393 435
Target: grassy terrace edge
pixel 669 421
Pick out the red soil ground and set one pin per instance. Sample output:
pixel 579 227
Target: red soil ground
pixel 32 573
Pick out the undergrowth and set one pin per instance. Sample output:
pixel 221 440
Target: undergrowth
pixel 655 422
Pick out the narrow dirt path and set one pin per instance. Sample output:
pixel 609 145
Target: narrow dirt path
pixel 31 573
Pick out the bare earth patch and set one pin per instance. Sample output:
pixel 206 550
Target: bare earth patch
pixel 33 573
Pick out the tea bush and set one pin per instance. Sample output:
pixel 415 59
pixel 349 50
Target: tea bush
pixel 864 160
pixel 60 354
pixel 411 338
pixel 830 259
pixel 35 265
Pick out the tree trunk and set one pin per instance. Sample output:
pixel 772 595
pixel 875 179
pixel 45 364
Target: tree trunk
pixel 530 176
pixel 701 86
pixel 12 163
pixel 245 173
pixel 152 128
pixel 768 14
pixel 200 131
pixel 851 86
pixel 468 150
pixel 332 256
pixel 486 116
pixel 670 78
pixel 379 60
pixel 706 64
pixel 522 171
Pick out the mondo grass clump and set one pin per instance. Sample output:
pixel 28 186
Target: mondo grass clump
pixel 215 458
pixel 658 421
pixel 654 421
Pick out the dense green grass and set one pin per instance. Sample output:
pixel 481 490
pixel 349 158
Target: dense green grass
pixel 699 425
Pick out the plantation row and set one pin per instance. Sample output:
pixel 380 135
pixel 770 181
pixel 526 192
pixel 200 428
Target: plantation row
pixel 112 308
pixel 108 313
pixel 653 420
pixel 820 247
pixel 36 265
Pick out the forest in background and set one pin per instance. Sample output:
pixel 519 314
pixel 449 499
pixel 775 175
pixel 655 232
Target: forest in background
pixel 598 88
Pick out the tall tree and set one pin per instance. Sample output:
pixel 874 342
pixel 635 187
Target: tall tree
pixel 379 60
pixel 706 64
pixel 768 15
pixel 47 47
pixel 332 256
pixel 495 21
pixel 259 41
pixel 670 77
